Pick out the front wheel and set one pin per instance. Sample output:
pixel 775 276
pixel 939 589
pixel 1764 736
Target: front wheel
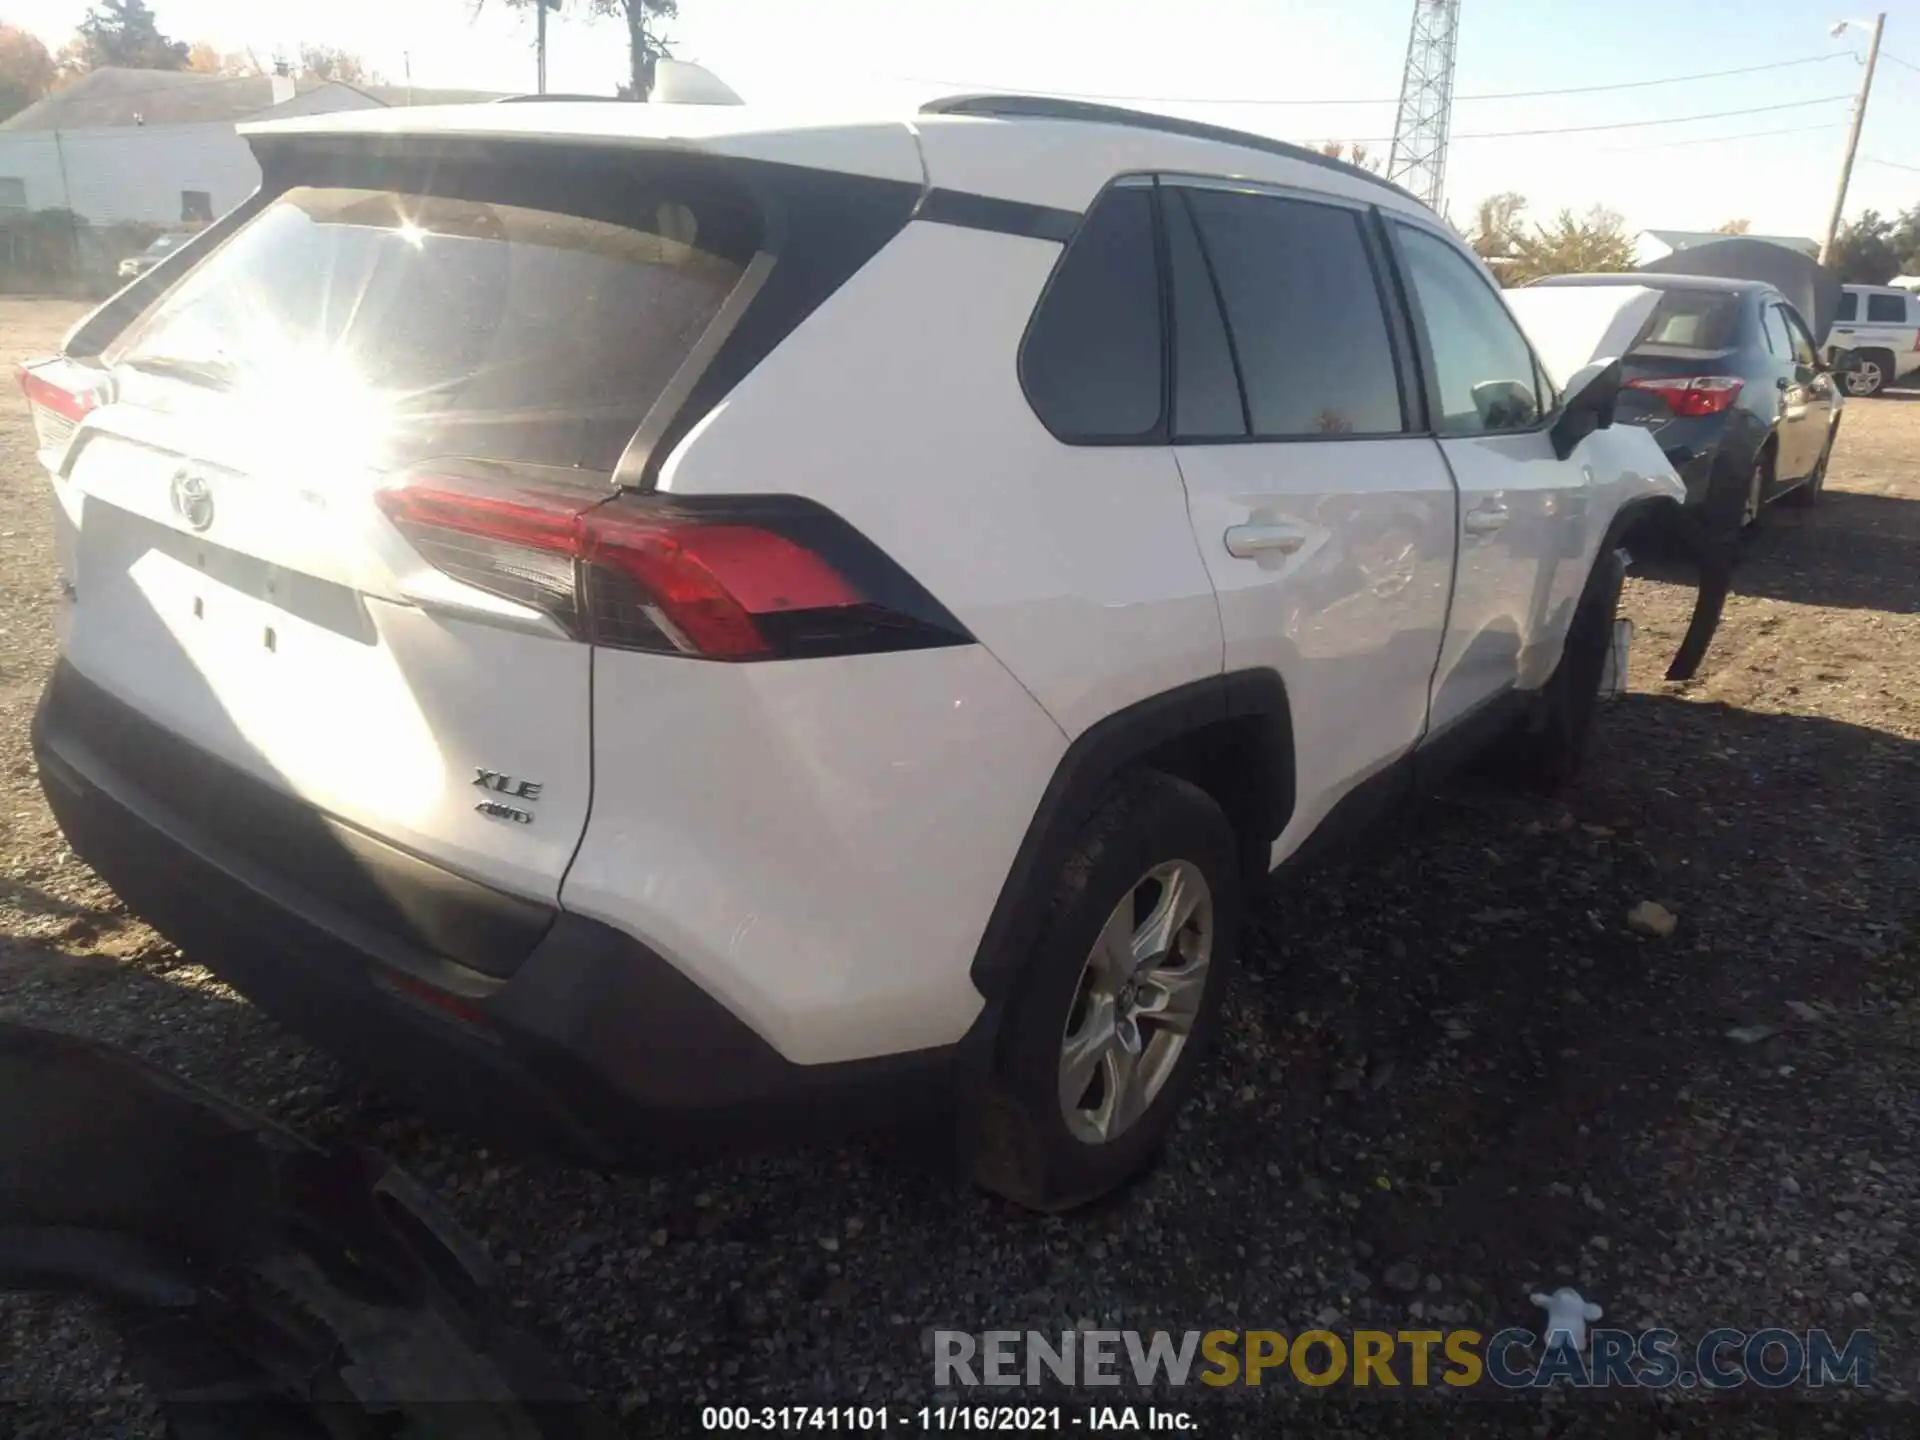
pixel 1117 1000
pixel 1545 750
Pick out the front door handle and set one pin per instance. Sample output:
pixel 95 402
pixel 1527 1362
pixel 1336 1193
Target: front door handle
pixel 1246 542
pixel 1485 519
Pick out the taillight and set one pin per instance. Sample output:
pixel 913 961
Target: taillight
pixel 59 395
pixel 714 577
pixel 1693 395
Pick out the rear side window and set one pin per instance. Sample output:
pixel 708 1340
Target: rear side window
pixel 437 325
pixel 1694 320
pixel 1887 309
pixel 1091 363
pixel 1849 308
pixel 1207 403
pixel 1304 314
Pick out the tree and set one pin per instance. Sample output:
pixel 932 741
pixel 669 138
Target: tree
pixel 1733 227
pixel 204 59
pixel 124 33
pixel 325 63
pixel 645 44
pixel 1354 154
pixel 1864 252
pixel 26 70
pixel 1906 242
pixel 1573 245
pixel 1497 224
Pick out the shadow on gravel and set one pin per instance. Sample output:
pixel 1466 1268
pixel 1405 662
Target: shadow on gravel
pixel 1850 552
pixel 1460 1054
pixel 31 900
pixel 1448 1057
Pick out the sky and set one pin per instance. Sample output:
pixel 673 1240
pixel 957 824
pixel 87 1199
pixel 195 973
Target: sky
pixel 1306 70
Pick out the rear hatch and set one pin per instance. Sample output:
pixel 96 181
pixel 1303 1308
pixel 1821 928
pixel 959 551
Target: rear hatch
pixel 241 576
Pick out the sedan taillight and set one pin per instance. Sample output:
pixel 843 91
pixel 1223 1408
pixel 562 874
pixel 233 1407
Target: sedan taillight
pixel 1693 395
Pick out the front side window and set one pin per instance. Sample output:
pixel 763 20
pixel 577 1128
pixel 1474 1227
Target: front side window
pixel 1849 307
pixel 1091 363
pixel 1774 332
pixel 1797 336
pixel 1304 314
pixel 1483 368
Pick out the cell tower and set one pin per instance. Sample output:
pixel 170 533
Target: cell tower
pixel 1419 157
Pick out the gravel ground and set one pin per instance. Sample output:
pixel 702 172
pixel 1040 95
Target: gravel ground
pixel 1452 1074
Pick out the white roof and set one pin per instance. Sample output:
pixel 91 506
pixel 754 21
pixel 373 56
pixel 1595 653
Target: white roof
pixel 1049 161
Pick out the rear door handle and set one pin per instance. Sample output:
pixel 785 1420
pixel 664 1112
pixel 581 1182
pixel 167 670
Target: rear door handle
pixel 1485 519
pixel 1246 542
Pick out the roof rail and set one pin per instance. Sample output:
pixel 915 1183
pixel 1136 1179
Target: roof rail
pixel 1049 107
pixel 527 99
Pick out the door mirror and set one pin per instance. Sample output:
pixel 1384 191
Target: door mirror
pixel 1587 405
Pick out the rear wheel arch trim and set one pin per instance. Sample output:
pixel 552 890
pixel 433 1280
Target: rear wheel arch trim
pixel 1095 758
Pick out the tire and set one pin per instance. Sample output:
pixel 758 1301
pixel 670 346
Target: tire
pixel 1037 1144
pixel 1876 370
pixel 1546 750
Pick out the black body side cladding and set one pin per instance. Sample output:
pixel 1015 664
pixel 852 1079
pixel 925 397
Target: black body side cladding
pixel 1254 697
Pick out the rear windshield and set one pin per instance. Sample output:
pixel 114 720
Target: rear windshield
pixel 430 325
pixel 1692 320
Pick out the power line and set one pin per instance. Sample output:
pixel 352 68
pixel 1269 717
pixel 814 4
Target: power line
pixel 1890 164
pixel 1639 124
pixel 1889 55
pixel 1377 100
pixel 1623 124
pixel 1718 139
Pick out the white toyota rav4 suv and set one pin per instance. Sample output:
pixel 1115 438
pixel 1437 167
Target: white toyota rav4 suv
pixel 646 625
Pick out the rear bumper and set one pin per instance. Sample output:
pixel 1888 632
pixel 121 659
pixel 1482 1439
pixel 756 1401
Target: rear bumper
pixel 595 1047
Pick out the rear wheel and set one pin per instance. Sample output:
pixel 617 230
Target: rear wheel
pixel 1875 370
pixel 1118 999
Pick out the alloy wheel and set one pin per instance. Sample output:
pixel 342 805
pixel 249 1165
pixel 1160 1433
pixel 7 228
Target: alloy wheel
pixel 1139 995
pixel 1865 380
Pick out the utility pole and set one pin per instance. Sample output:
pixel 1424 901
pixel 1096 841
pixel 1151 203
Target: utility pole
pixel 540 46
pixel 1853 134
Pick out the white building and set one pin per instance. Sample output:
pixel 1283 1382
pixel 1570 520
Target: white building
pixel 1650 245
pixel 159 146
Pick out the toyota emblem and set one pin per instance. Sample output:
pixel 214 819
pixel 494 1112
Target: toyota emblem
pixel 192 499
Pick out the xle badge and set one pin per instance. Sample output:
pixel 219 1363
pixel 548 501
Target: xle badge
pixel 506 785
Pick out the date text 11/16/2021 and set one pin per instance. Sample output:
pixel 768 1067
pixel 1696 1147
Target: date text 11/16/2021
pixel 939 1419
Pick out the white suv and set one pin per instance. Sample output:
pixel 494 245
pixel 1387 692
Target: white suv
pixel 1881 327
pixel 648 626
